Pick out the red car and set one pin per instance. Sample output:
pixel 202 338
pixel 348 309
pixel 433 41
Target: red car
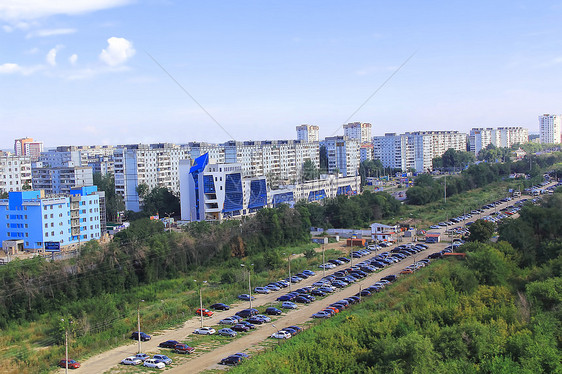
pixel 205 312
pixel 183 348
pixel 72 364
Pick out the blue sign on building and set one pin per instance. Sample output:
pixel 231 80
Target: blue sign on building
pixel 52 247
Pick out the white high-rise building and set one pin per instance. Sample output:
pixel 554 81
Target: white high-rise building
pixel 549 128
pixel 502 137
pixel 155 165
pixel 343 155
pixel 358 131
pixel 308 133
pixel 480 138
pixel 15 172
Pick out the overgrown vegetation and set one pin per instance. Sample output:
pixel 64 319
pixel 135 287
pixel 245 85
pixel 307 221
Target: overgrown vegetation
pixel 492 313
pixel 427 189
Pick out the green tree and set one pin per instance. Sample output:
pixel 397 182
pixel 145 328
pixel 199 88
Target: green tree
pixel 309 170
pixel 481 231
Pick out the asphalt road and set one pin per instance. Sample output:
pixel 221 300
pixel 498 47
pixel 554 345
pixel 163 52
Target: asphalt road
pixel 109 361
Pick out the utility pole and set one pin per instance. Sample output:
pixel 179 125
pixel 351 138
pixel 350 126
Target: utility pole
pixel 138 327
pixel 445 189
pixel 201 305
pixel 65 347
pixel 250 284
pixel 323 263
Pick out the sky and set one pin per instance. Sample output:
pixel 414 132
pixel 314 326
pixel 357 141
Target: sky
pixel 124 71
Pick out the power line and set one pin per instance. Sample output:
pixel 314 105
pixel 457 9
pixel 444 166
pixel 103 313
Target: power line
pixel 375 92
pixel 188 94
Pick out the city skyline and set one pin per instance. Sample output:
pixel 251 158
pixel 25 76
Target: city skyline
pixel 77 74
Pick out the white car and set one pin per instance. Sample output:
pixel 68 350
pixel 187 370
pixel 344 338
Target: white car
pixel 205 331
pixel 281 335
pixel 132 360
pixel 152 363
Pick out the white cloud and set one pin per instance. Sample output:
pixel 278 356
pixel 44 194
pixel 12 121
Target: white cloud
pixel 11 68
pixel 72 59
pixel 50 32
pixel 15 10
pixel 7 28
pixel 118 51
pixel 51 57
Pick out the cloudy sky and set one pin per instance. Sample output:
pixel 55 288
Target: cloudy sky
pixel 81 72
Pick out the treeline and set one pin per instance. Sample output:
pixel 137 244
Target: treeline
pixel 355 211
pixel 140 255
pixel 427 189
pixel 491 313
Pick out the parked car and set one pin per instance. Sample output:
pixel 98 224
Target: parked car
pixel 183 348
pixel 245 313
pixel 273 311
pixel 262 290
pixel 245 297
pixel 256 320
pixel 287 297
pixel 143 337
pixel 240 328
pixel 163 358
pixel 310 273
pixel 281 335
pixel 152 363
pixel 205 331
pixel 131 360
pixel 228 321
pixel 204 312
pixel 72 364
pixel 227 332
pixel 142 356
pixel 169 344
pixel 248 324
pixel 231 360
pixel 321 314
pixel 289 305
pixel 295 328
pixel 220 306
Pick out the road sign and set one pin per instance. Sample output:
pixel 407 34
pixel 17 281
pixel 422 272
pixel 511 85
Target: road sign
pixel 52 247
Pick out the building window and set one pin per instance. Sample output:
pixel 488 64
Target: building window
pixel 45 216
pixel 51 215
pixel 52 224
pixel 46 234
pixel 52 233
pixel 46 225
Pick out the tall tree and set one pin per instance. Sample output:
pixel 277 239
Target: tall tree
pixel 113 202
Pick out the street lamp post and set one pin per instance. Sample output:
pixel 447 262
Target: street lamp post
pixel 138 325
pixel 200 301
pixel 66 346
pixel 249 283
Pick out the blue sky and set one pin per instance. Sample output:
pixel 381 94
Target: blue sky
pixel 78 72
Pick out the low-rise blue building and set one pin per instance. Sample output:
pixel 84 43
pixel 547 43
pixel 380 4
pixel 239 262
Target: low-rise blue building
pixel 31 217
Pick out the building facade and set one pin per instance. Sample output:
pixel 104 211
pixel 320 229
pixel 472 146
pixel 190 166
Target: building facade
pixel 308 133
pixel 60 180
pixel 550 128
pixel 15 172
pixel 358 131
pixel 155 165
pixel 35 219
pixel 327 187
pixel 28 147
pixel 214 192
pixel 504 137
pixel 343 155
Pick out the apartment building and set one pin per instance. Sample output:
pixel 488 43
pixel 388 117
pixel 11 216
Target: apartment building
pixel 34 218
pixel 60 179
pixel 15 172
pixel 550 128
pixel 408 151
pixel 505 137
pixel 358 131
pixel 308 133
pixel 156 165
pixel 343 155
pixel 28 147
